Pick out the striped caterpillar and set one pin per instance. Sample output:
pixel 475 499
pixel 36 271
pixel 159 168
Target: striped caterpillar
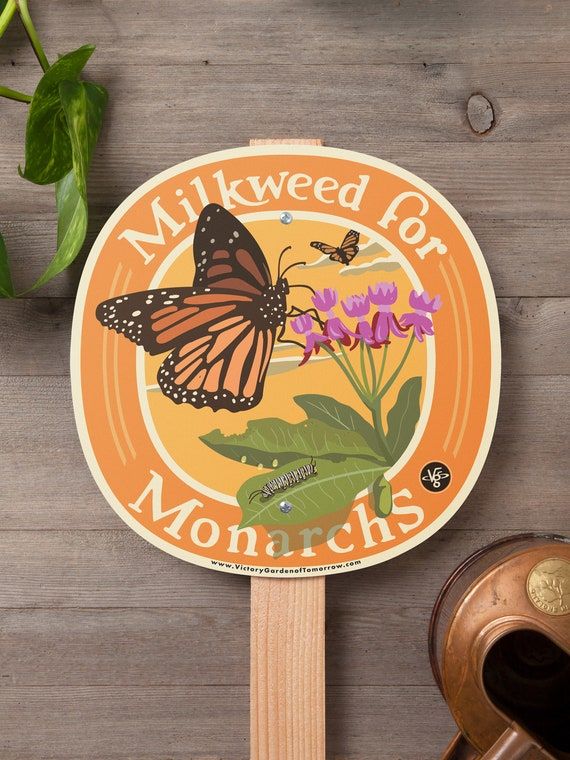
pixel 286 480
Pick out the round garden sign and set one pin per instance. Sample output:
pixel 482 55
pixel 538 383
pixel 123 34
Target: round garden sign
pixel 285 360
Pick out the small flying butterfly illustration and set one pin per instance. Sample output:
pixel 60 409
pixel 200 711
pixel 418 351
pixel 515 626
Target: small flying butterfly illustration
pixel 345 252
pixel 220 332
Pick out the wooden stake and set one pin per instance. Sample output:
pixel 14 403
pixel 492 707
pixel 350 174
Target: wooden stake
pixel 287 669
pixel 287 676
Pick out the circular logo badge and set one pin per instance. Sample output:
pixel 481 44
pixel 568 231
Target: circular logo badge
pixel 548 586
pixel 269 343
pixel 435 476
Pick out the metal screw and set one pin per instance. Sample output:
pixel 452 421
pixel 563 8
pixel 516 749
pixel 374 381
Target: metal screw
pixel 286 217
pixel 285 507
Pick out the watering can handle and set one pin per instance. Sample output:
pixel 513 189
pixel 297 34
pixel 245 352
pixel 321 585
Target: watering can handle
pixel 513 744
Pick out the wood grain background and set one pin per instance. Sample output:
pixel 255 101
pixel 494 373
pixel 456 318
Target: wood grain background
pixel 111 650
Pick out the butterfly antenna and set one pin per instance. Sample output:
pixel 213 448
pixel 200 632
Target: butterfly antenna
pixel 296 264
pixel 280 257
pixel 308 287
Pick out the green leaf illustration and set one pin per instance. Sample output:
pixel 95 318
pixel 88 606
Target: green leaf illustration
pixel 339 416
pixel 6 287
pixel 333 487
pixel 48 143
pixel 382 497
pixel 272 442
pixel 403 416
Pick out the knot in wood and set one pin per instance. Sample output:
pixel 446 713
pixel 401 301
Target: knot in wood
pixel 480 114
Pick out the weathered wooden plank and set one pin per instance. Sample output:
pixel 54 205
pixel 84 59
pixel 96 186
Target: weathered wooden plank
pixel 69 568
pixel 318 32
pixel 128 647
pixel 532 333
pixel 207 722
pixel 486 180
pixel 353 101
pixel 138 646
pixel 525 258
pixel 39 444
pixel 35 335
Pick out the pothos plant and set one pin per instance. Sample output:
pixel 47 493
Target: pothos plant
pixel 350 453
pixel 64 120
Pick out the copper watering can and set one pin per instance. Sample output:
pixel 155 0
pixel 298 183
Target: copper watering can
pixel 500 650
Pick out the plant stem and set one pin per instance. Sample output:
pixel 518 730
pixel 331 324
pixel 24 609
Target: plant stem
pixel 6 92
pixel 372 369
pixel 382 368
pixel 367 397
pixel 350 369
pixel 349 373
pixel 32 34
pixel 378 427
pixel 396 372
pixel 366 384
pixel 6 15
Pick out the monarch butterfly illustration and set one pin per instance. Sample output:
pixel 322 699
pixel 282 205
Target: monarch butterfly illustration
pixel 220 332
pixel 345 252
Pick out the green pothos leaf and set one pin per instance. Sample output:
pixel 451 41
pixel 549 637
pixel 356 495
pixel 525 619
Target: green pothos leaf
pixel 71 227
pixel 272 442
pixel 403 416
pixel 333 487
pixel 83 105
pixel 339 416
pixel 49 155
pixel 382 497
pixel 6 287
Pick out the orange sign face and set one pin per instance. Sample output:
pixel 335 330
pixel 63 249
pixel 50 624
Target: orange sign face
pixel 285 361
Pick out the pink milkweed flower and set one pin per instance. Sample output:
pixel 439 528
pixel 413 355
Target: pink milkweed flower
pixel 419 319
pixel 383 293
pixel 356 306
pixel 384 322
pixel 303 325
pixel 334 328
pixel 364 332
pixel 325 300
pixel 421 301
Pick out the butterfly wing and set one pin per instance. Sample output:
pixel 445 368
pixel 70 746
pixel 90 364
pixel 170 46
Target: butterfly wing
pixel 328 250
pixel 226 255
pixel 223 369
pixel 160 320
pixel 219 347
pixel 349 245
pixel 345 252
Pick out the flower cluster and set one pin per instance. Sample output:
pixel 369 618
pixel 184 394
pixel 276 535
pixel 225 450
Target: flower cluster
pixel 373 330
